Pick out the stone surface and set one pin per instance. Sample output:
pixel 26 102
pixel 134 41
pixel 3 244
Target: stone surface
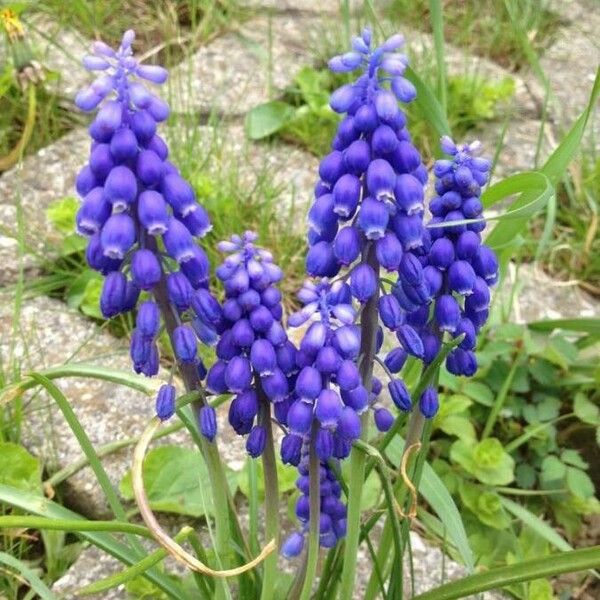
pixel 246 67
pixel 541 297
pixel 92 565
pixel 316 6
pixel 519 144
pixel 571 64
pixel 49 334
pixel 47 175
pixel 60 50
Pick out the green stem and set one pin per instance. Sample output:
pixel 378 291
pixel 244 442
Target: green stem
pixel 500 400
pixel 271 499
pixel 216 473
pixel 314 514
pixel 72 525
pixel 368 327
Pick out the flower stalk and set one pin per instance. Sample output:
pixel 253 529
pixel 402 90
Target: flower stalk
pixel 159 534
pixel 210 452
pixel 368 331
pixel 315 511
pixel 271 497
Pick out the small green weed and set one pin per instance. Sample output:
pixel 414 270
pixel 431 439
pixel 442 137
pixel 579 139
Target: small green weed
pixel 516 441
pixel 303 115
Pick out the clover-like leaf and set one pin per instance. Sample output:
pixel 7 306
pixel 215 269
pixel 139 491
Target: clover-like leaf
pixel 485 460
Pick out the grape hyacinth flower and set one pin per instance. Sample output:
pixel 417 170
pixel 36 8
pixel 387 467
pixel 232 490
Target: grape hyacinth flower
pixel 332 517
pixel 327 401
pixel 140 215
pixel 255 359
pixel 368 211
pixel 369 198
pixel 459 268
pixel 367 214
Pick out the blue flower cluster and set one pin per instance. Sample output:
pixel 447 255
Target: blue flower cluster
pixel 332 518
pixel 255 359
pixel 140 215
pixel 327 401
pixel 371 187
pixel 367 213
pixel 458 268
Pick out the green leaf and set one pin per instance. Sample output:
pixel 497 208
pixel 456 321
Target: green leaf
pixel 176 481
pixel 458 426
pixel 61 213
pixel 536 524
pixel 525 476
pixel 437 496
pixel 485 505
pixel 573 458
pixel 286 478
pixel 480 392
pixel 77 292
pixel 540 589
pixel 486 460
pixel 565 562
pixel 579 483
pixel 312 87
pixel 553 471
pixel 90 300
pixel 266 119
pixel 34 582
pixel 19 469
pixel 585 410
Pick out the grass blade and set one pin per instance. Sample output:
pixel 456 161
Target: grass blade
pixel 85 443
pixel 131 572
pixel 74 525
pixel 554 168
pixel 135 382
pixel 38 505
pixel 589 326
pixel 428 104
pixel 534 522
pixel 440 500
pixel 437 25
pixel 539 568
pixel 35 583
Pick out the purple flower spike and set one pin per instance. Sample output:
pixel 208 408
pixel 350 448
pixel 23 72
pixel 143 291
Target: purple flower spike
pixel 124 209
